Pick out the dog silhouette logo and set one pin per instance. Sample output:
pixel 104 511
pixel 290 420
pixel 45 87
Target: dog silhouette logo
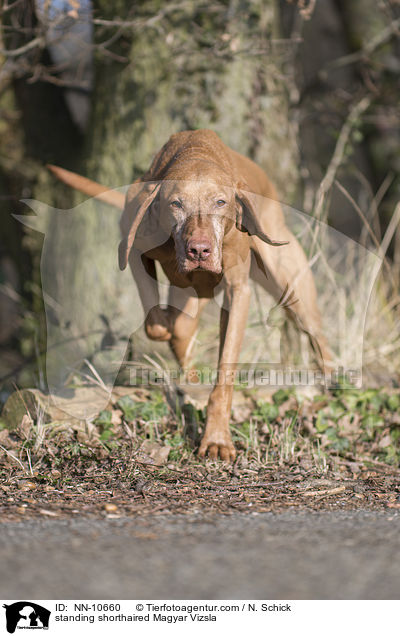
pixel 26 615
pixel 87 335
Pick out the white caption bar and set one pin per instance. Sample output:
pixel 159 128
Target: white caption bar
pixel 148 617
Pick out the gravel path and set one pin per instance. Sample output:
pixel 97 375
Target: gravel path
pixel 291 555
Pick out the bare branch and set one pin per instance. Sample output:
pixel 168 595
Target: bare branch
pixel 10 7
pixel 381 38
pixel 338 154
pixel 143 22
pixel 39 41
pixel 41 73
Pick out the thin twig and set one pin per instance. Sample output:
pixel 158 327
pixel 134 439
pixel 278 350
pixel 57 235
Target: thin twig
pixel 383 246
pixel 39 41
pixel 371 46
pixel 394 221
pixel 140 23
pixel 13 457
pixel 359 212
pixel 380 252
pixel 10 7
pixel 98 379
pixel 338 154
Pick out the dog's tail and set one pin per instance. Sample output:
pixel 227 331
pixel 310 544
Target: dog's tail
pixel 91 188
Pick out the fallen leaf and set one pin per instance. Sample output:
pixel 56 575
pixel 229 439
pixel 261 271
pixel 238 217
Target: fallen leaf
pixel 116 416
pixel 385 441
pixel 325 493
pixel 25 426
pixel 26 485
pixel 5 439
pixel 159 454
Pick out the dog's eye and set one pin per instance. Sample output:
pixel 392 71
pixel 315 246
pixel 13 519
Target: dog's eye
pixel 176 204
pixel 220 203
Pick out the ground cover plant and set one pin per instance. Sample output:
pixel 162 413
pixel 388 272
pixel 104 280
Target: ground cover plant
pixel 334 450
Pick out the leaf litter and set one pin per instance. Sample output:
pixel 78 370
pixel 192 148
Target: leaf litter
pixel 138 457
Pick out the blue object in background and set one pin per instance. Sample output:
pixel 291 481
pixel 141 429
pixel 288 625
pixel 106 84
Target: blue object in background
pixel 69 39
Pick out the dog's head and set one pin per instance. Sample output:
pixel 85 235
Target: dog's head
pixel 197 212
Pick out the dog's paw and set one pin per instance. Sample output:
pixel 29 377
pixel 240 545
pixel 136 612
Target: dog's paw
pixel 157 324
pixel 218 446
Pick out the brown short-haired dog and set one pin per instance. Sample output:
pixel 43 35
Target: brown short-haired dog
pixel 210 216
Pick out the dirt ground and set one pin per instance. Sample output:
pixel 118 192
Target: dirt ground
pixel 211 488
pixel 137 458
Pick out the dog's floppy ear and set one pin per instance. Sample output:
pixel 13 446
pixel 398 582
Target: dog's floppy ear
pixel 134 212
pixel 246 218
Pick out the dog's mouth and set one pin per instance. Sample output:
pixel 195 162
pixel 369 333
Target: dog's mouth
pixel 198 256
pixel 200 266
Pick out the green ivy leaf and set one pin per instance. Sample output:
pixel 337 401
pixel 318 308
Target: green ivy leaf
pixel 280 396
pixel 393 402
pixel 336 408
pixel 322 422
pixel 266 411
pixel 128 407
pixel 104 418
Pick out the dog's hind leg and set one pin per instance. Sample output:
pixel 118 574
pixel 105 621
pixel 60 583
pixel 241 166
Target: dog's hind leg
pixel 285 273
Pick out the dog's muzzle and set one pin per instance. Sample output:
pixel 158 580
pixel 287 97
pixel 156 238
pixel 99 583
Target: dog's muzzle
pixel 198 251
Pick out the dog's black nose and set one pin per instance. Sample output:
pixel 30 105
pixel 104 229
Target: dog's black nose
pixel 198 251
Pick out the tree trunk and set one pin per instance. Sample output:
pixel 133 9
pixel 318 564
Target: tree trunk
pixel 173 80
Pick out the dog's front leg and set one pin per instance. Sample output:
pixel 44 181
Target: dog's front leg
pixel 157 320
pixel 217 441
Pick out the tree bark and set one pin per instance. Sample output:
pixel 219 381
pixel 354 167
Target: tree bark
pixel 193 69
